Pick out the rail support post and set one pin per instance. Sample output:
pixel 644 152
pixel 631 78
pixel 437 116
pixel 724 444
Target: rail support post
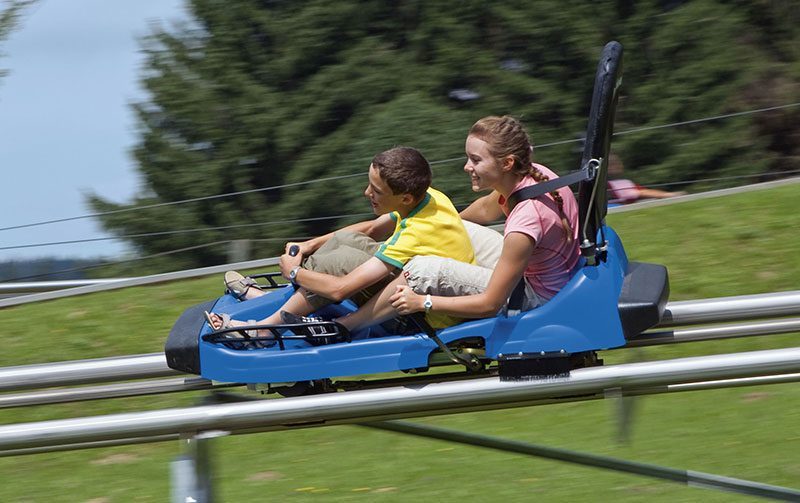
pixel 239 250
pixel 191 471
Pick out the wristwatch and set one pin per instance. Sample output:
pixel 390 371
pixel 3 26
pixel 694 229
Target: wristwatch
pixel 293 274
pixel 428 304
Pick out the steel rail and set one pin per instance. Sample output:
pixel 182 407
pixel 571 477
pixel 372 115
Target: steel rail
pixel 140 281
pixel 719 384
pixel 145 388
pixel 89 445
pixel 154 387
pixel 670 388
pixel 118 390
pixel 79 372
pixel 394 403
pixel 150 366
pixel 707 333
pixel 48 286
pixel 153 365
pixel 765 305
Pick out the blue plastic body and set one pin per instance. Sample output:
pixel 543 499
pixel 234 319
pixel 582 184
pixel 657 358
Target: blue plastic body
pixel 583 316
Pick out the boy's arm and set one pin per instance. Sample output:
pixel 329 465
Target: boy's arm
pixel 338 288
pixel 484 210
pixel 378 229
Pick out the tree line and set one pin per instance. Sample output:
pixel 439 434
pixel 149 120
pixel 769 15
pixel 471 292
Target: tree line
pixel 271 93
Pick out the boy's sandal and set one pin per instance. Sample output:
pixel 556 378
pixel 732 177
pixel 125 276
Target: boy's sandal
pixel 247 334
pixel 237 285
pixel 318 334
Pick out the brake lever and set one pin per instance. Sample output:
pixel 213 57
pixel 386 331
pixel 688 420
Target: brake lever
pixel 293 251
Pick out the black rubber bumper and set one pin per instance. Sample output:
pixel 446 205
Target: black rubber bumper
pixel 181 349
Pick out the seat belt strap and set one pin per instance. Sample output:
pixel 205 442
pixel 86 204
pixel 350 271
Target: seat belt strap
pixel 532 191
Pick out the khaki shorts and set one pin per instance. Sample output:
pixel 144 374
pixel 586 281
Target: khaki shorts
pixel 447 277
pixel 340 255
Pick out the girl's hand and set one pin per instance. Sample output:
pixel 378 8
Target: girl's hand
pixel 405 301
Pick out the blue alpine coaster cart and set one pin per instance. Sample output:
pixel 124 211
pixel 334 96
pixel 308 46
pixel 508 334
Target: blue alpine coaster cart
pixel 608 300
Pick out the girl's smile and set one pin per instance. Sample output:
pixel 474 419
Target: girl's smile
pixel 481 166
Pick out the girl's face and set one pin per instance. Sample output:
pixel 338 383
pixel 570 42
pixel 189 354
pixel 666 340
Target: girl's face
pixel 483 169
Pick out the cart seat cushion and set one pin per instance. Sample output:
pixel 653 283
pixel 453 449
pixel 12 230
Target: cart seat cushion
pixel 487 244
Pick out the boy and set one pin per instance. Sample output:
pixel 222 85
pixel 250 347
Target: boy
pixel 413 219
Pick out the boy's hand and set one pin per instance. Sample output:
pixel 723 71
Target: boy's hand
pixel 305 247
pixel 289 262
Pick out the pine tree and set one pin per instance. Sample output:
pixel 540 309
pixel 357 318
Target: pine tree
pixel 256 94
pixel 9 19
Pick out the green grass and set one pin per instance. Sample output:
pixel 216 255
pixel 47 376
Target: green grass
pixel 735 245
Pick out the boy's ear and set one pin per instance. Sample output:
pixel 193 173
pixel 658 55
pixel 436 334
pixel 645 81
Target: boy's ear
pixel 407 199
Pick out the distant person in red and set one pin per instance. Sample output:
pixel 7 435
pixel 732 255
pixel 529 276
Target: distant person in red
pixel 623 191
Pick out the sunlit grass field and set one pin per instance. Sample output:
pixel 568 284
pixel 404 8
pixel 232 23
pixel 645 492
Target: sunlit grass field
pixel 733 245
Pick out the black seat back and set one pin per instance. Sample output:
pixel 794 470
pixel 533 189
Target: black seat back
pixel 592 194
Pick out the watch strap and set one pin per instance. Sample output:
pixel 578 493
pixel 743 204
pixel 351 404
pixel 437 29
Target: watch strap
pixel 293 274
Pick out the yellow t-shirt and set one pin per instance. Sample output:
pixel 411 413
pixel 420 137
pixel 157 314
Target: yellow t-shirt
pixel 434 227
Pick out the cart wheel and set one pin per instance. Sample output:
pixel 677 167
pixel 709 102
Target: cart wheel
pixel 302 388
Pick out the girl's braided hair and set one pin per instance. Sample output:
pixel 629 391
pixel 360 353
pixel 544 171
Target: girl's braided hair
pixel 506 136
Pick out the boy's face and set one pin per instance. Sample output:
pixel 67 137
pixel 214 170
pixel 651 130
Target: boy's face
pixel 380 195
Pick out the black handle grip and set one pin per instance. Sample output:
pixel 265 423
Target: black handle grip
pixel 294 250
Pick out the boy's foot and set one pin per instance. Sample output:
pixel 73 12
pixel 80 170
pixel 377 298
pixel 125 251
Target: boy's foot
pixel 294 319
pixel 317 330
pixel 241 339
pixel 238 285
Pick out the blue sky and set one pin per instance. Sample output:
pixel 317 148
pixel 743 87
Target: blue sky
pixel 65 125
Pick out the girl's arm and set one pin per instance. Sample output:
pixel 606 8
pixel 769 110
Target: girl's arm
pixel 484 210
pixel 517 249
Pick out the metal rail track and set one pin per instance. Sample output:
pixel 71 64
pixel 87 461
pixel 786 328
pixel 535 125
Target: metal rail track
pixel 686 313
pixel 694 321
pixel 394 403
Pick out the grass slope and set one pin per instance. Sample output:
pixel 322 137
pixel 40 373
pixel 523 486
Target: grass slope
pixel 735 245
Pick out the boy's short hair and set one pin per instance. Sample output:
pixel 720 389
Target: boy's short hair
pixel 405 170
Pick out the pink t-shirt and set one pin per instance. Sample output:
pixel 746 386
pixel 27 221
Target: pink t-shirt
pixel 553 258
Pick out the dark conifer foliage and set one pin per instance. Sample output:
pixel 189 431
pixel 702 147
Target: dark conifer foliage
pixel 256 94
